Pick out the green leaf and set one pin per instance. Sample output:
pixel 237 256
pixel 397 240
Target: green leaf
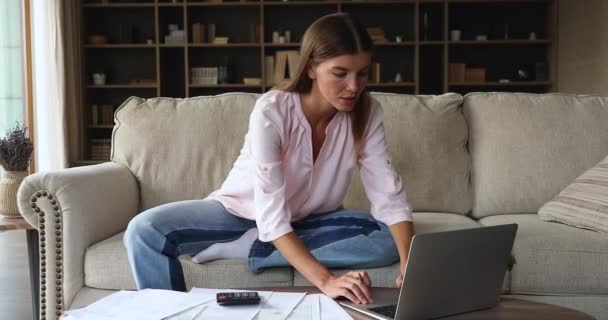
pixel 512 262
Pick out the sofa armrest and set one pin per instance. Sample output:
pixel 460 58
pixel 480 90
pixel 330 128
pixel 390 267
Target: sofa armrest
pixel 73 209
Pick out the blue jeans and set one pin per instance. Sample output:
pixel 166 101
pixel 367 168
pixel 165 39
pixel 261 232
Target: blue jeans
pixel 156 237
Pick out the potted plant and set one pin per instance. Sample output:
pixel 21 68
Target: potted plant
pixel 15 151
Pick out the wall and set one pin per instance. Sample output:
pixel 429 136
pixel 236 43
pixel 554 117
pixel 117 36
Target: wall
pixel 583 47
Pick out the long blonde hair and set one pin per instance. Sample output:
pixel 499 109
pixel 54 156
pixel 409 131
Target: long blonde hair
pixel 328 37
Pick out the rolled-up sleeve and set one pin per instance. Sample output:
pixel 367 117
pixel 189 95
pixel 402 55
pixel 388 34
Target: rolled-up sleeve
pixel 383 185
pixel 272 214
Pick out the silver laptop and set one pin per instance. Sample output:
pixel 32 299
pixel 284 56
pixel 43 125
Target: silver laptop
pixel 448 273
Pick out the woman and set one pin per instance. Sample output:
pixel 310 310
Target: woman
pixel 281 204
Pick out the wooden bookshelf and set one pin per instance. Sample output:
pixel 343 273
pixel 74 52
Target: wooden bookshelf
pixel 138 61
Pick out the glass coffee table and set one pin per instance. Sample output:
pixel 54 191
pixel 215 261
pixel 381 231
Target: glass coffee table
pixel 508 308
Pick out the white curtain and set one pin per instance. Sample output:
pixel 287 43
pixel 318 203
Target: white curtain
pixel 50 117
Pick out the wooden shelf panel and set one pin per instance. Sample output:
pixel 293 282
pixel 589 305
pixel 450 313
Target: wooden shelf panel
pixel 101 126
pixel 301 3
pixel 293 45
pixel 123 86
pixel 281 45
pixel 381 84
pixel 164 45
pixel 224 45
pixel 432 42
pixel 497 1
pixel 500 84
pixel 119 5
pixel 225 4
pixel 121 46
pixel 171 5
pixel 364 2
pixel 493 42
pixel 377 44
pixel 395 44
pixel 391 84
pixel 225 85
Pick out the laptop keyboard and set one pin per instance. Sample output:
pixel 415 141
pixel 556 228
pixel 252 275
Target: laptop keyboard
pixel 387 311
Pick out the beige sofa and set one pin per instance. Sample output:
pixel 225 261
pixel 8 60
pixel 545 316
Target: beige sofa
pixel 481 159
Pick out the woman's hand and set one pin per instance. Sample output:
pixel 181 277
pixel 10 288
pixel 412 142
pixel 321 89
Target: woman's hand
pixel 402 234
pixel 355 286
pixel 399 280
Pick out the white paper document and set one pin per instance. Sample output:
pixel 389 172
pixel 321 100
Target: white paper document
pixel 199 304
pixel 280 305
pixel 331 310
pixel 147 304
pixel 189 314
pixel 307 309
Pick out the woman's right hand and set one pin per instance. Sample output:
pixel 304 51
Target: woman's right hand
pixel 355 286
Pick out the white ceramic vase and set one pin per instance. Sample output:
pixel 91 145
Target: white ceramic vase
pixel 9 184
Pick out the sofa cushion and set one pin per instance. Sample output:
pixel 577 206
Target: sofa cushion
pixel 526 148
pixel 232 273
pixel 180 149
pixel 584 203
pixel 106 267
pixel 555 258
pixel 426 138
pixel 424 222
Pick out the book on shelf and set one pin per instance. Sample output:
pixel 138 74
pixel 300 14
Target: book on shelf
pixel 221 40
pixel 286 62
pixel 292 62
pixel 198 32
pixel 376 72
pixel 376 34
pixel 204 75
pixel 94 114
pixel 100 149
pixel 211 32
pixel 280 66
pixel 269 70
pixel 456 72
pixel 107 114
pixel 255 29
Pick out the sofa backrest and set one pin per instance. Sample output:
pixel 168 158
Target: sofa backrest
pixel 525 148
pixel 182 149
pixel 426 137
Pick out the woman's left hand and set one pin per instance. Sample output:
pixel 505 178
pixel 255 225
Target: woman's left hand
pixel 399 280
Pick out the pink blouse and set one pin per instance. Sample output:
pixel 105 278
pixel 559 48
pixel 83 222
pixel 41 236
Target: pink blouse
pixel 275 181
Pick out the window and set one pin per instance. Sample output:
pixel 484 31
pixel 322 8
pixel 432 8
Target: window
pixel 12 93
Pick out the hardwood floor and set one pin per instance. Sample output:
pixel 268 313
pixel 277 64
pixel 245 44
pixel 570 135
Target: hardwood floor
pixel 15 296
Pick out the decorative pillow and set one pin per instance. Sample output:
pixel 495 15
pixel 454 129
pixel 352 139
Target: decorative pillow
pixel 584 203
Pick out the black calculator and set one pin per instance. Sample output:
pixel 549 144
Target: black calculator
pixel 235 298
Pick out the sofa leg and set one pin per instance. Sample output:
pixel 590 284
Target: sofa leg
pixel 34 262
